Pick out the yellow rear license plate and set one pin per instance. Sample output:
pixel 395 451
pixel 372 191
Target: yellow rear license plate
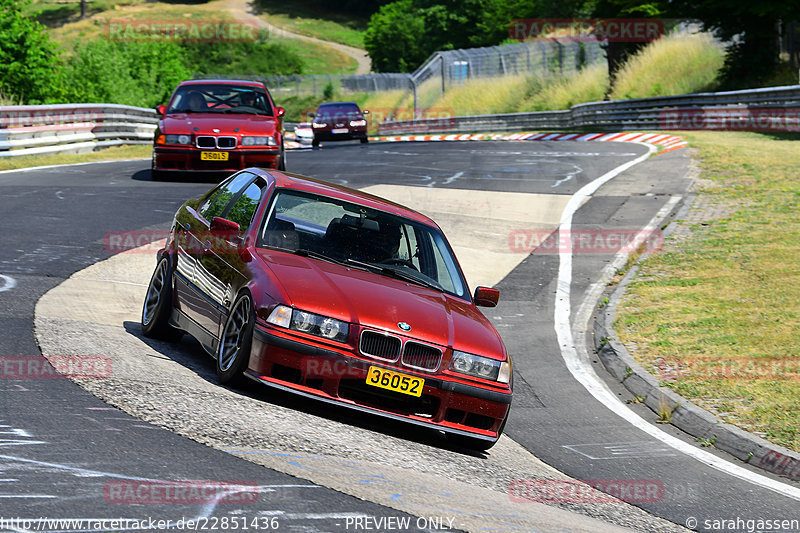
pixel 394 381
pixel 213 156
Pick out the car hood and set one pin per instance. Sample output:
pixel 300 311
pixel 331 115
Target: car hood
pixel 381 302
pixel 225 123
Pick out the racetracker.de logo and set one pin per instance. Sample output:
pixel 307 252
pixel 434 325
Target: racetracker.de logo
pixel 611 30
pixel 55 367
pixel 142 241
pixel 736 119
pixel 180 492
pixel 180 30
pixel 52 117
pixel 611 241
pixel 635 491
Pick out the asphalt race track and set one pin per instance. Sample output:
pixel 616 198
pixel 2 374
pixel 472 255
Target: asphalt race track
pixel 61 447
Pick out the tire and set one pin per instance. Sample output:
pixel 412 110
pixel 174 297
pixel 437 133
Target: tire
pixel 315 142
pixel 364 140
pixel 233 352
pixel 157 305
pixel 156 175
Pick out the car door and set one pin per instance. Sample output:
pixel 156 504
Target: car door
pixel 203 299
pixel 222 271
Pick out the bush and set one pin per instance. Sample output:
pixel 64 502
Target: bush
pixel 133 73
pixel 28 59
pixel 675 64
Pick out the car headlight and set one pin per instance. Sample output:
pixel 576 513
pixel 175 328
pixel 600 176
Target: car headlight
pixel 177 139
pixel 259 141
pixel 481 367
pixel 318 125
pixel 357 123
pixel 321 326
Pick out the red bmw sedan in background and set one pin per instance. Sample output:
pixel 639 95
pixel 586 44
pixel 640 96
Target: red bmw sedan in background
pixel 336 295
pixel 339 121
pixel 218 126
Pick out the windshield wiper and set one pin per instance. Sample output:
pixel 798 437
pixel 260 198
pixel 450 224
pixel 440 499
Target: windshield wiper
pixel 303 252
pixel 399 274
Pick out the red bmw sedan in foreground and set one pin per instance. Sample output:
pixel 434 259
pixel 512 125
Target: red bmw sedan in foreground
pixel 333 294
pixel 218 126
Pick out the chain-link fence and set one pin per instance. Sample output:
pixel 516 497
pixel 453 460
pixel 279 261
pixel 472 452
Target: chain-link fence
pixel 540 57
pixel 445 69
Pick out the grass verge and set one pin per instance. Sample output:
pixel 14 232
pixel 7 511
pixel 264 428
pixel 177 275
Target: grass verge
pixel 715 314
pixel 116 153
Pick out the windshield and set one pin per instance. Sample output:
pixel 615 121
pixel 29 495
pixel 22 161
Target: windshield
pixel 338 112
pixel 217 98
pixel 330 229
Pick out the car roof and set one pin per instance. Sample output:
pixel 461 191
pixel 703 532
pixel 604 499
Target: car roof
pixel 223 82
pixel 297 182
pixel 338 104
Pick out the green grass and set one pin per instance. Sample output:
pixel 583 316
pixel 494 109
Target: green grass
pixel 675 64
pixel 116 153
pixel 720 307
pixel 314 18
pixel 319 59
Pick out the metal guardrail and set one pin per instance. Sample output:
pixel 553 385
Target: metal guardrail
pixel 637 114
pixel 42 129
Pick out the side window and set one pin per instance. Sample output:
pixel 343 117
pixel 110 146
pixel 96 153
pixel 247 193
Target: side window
pixel 245 207
pixel 215 205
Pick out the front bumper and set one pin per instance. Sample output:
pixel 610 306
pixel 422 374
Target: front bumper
pixel 339 377
pixel 188 159
pixel 354 133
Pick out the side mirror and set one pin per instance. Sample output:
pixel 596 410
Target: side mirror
pixel 281 111
pixel 161 110
pixel 486 296
pixel 229 230
pixel 311 115
pixel 223 225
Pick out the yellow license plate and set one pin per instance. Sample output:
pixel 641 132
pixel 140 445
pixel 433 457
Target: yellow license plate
pixel 395 381
pixel 213 156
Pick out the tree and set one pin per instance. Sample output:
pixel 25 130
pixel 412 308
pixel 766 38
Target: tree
pixel 393 38
pixel 401 35
pixel 28 59
pixel 617 53
pixel 752 27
